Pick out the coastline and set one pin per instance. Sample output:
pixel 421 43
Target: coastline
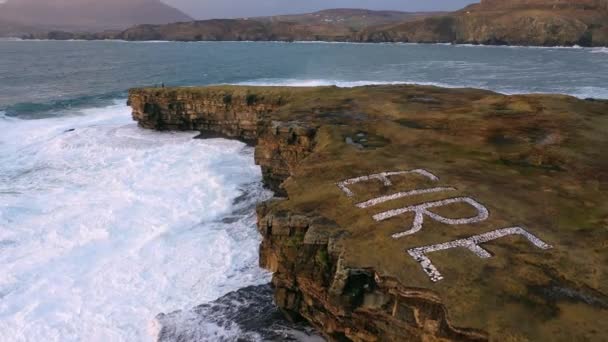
pixel 574 46
pixel 341 271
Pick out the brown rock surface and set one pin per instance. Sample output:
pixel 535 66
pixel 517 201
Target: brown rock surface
pixel 531 161
pixel 514 22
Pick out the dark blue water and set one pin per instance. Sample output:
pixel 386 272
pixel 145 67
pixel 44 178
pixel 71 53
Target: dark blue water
pixel 59 74
pixel 109 232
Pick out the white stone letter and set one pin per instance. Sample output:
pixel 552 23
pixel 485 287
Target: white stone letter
pixel 472 244
pixel 383 177
pixel 423 209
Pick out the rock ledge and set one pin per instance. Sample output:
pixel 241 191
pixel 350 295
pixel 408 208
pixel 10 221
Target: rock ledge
pixel 410 213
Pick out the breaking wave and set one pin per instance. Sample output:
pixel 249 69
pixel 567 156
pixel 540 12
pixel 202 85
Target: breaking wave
pixel 582 92
pixel 600 50
pixel 72 106
pixel 104 225
pixel 337 83
pixel 248 313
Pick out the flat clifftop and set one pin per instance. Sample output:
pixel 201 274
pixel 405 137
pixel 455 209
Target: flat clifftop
pixel 421 213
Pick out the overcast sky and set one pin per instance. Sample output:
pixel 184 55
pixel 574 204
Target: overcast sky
pixel 204 9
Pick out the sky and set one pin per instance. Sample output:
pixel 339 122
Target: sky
pixel 205 9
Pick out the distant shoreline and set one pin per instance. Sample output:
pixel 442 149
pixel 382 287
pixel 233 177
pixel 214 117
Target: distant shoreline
pixel 16 39
pixel 538 23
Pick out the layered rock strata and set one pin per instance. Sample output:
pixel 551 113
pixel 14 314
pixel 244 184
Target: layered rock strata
pixel 409 213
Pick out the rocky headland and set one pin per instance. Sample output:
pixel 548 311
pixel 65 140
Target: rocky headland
pixel 411 213
pixel 491 22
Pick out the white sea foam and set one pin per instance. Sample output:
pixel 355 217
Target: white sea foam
pixel 581 92
pixel 104 225
pixel 600 50
pixel 293 82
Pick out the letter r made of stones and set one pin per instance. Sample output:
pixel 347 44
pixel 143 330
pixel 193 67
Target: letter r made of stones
pixel 422 210
pixel 471 243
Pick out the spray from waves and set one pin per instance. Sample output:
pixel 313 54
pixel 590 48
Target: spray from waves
pixel 248 313
pixel 73 106
pixel 600 50
pixel 104 225
pixel 582 92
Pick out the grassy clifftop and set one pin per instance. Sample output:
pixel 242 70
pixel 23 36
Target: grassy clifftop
pixel 420 212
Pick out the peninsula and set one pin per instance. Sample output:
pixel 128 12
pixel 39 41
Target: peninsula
pixel 414 213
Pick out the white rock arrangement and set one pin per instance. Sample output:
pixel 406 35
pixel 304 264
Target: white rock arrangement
pixel 472 244
pixel 383 177
pixel 421 210
pixel 398 195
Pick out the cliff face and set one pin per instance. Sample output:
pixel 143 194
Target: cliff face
pixel 537 22
pixel 517 184
pixel 242 115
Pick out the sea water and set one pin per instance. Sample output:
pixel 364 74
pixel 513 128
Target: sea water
pixel 109 232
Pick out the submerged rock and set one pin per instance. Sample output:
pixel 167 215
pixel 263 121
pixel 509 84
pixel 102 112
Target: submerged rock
pixel 248 314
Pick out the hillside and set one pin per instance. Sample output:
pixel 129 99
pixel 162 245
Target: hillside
pixel 515 22
pixel 328 25
pixel 354 19
pixel 492 22
pixel 84 15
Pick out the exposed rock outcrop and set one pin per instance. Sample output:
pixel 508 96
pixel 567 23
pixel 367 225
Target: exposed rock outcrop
pixel 525 22
pixel 456 167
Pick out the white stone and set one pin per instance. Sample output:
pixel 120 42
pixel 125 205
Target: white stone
pixel 398 195
pixel 472 244
pixel 421 210
pixel 382 177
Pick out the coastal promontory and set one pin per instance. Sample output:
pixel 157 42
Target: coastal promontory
pixel 414 213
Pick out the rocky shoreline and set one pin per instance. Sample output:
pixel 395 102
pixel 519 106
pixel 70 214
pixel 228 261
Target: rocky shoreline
pixel 411 213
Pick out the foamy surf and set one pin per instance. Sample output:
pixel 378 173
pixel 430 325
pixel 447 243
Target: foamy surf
pixel 600 50
pixel 293 82
pixel 581 92
pixel 104 225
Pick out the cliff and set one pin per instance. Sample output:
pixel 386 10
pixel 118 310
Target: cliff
pixel 409 213
pixel 516 22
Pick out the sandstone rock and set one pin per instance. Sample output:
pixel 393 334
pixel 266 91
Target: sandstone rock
pixel 472 216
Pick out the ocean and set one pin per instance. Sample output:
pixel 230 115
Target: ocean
pixel 109 232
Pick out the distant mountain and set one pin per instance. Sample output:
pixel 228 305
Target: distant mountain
pixel 85 15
